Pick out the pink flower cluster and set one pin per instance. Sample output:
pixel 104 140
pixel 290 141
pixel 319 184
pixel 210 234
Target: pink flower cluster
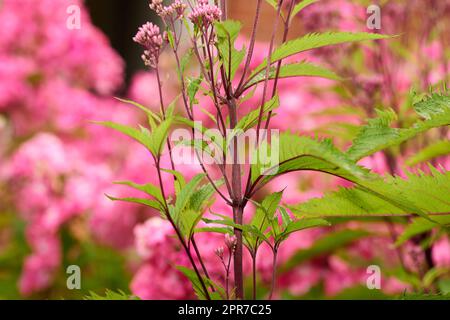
pixel 176 8
pixel 150 38
pixel 205 14
pixel 53 81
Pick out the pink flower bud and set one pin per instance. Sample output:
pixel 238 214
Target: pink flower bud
pixel 149 36
pixel 231 241
pixel 219 252
pixel 205 14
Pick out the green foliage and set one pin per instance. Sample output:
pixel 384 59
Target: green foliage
pixel 218 294
pixel 263 218
pixel 153 141
pixel 301 69
pixel 421 193
pixel 148 188
pixel 378 134
pixel 145 202
pixel 424 296
pixel 297 8
pixel 192 89
pixel 301 153
pixel 300 6
pixel 251 119
pixel 111 295
pixel 360 292
pixel 314 41
pixel 227 33
pixel 434 150
pixel 274 226
pixel 183 213
pixel 12 254
pixel 421 225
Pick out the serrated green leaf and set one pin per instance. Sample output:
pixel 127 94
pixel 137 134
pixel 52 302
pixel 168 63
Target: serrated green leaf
pixel 133 133
pixel 179 182
pixel 301 153
pixel 419 226
pixel 195 281
pixel 250 120
pixel 300 6
pixel 378 134
pixel 395 196
pixel 192 89
pixel 227 33
pixel 434 150
pixel 146 202
pixel 314 41
pixel 186 193
pixel 111 296
pixel 149 189
pixel 303 224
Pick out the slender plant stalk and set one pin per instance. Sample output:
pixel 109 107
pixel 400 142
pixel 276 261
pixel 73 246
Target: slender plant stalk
pixel 274 272
pixel 236 182
pixel 254 275
pixel 227 275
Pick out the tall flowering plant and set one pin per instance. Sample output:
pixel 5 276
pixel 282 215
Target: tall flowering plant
pixel 239 152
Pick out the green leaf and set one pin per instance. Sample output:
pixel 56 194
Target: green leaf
pixel 313 41
pixel 360 292
pixel 251 119
pixel 186 193
pixel 227 33
pixel 303 224
pixel 285 217
pixel 187 222
pixel 133 133
pixel 149 189
pixel 375 136
pixel 110 295
pixel 185 61
pixel 378 134
pixel 159 136
pixel 192 89
pixel 153 141
pixel 419 226
pixel 423 296
pixel 195 281
pixel 146 110
pixel 300 6
pixel 180 182
pixel 201 197
pixel 437 149
pixel 419 194
pixel 265 217
pixel 301 153
pixel 185 217
pixel 146 202
pixel 432 105
pixel 221 230
pixel 273 3
pixel 301 69
pixel 206 134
